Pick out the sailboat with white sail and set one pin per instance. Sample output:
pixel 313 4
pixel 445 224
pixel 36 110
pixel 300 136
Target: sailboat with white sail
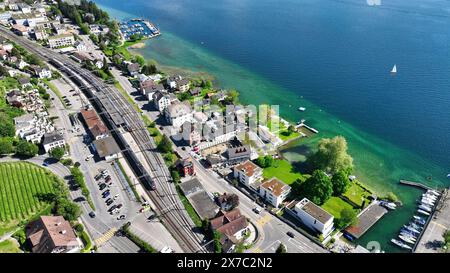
pixel 394 69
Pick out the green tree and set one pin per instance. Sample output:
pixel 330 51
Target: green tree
pixel 217 243
pixel 340 182
pixel 6 126
pixel 348 218
pixel 149 69
pixel 165 145
pixel 265 161
pixel 446 236
pixel 25 148
pixel 139 59
pixel 318 187
pixel 57 153
pixel 6 145
pixel 69 210
pixel 331 156
pixel 281 248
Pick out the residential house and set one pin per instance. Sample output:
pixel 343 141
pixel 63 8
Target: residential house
pixel 14 98
pixel 149 87
pixel 232 225
pixel 313 216
pixel 62 40
pixel 248 173
pixel 172 81
pixel 80 46
pixel 182 85
pixel 58 28
pixel 195 91
pixel 227 201
pixel 161 101
pixel 41 72
pixel 178 113
pixel 24 82
pixel 53 140
pixel 106 148
pixel 20 64
pixel 274 191
pixel 40 33
pixel 39 8
pixel 52 234
pixel 5 17
pixel 133 69
pixel 185 167
pixel 216 132
pixel 191 133
pixel 236 155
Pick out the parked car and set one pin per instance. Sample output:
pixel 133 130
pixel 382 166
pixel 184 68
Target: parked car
pixel 102 186
pixel 108 203
pixel 257 210
pixel 116 196
pixel 119 206
pixel 121 217
pixel 112 208
pixel 107 200
pixel 92 214
pixel 108 178
pixel 290 234
pixel 97 177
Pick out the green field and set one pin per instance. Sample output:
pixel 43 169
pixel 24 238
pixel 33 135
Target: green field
pixel 335 205
pixel 20 185
pixel 283 170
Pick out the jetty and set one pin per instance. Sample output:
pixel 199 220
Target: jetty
pixel 416 184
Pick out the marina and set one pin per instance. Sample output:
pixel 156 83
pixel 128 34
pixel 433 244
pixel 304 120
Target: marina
pixel 138 27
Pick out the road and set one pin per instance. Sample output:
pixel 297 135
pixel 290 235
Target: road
pixel 271 229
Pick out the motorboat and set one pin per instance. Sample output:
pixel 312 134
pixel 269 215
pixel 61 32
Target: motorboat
pixel 302 109
pixel 431 196
pixel 408 235
pixel 425 208
pixel 421 222
pixel 423 212
pixel 411 229
pixel 388 205
pixel 406 239
pixel 416 226
pixel 400 244
pixel 434 192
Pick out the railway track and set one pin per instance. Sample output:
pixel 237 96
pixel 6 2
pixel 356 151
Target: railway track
pixel 164 197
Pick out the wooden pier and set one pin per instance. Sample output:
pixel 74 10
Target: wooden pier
pixel 415 184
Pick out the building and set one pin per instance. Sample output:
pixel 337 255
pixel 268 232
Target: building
pixel 227 201
pixel 14 98
pixel 185 167
pixel 99 131
pixel 248 173
pixel 40 33
pixel 61 40
pixel 24 82
pixel 195 91
pixel 24 7
pixel 58 28
pixel 178 113
pixel 161 101
pixel 20 30
pixel 182 85
pixel 52 234
pixel 96 127
pixel 236 155
pixel 274 191
pixel 106 148
pixel 172 81
pixel 191 133
pixel 5 16
pixel 20 64
pixel 133 69
pixel 314 217
pixel 41 72
pixel 232 225
pixel 52 140
pixel 80 46
pixel 149 87
pixel 201 200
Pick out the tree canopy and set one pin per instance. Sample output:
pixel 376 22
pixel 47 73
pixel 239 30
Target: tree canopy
pixel 57 153
pixel 165 145
pixel 348 218
pixel 317 188
pixel 331 156
pixel 25 148
pixel 340 182
pixel 281 248
pixel 265 161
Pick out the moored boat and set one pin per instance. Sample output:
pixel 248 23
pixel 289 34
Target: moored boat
pixel 423 212
pixel 400 244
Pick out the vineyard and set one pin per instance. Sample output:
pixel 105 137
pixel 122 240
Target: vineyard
pixel 21 183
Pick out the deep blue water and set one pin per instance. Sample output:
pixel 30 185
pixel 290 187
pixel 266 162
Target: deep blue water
pixel 337 54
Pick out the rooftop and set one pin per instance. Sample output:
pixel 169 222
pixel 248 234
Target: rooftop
pixel 276 186
pixel 313 210
pixel 248 167
pixel 106 147
pixel 51 137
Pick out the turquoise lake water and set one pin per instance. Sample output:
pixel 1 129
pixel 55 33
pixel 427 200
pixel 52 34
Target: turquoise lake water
pixel 332 57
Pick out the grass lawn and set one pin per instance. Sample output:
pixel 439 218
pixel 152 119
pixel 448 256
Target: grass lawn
pixel 7 84
pixel 9 246
pixel 20 185
pixel 357 194
pixel 283 135
pixel 283 170
pixel 335 205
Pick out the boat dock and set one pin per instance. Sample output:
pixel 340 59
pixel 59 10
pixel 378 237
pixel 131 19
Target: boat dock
pixel 415 184
pixel 366 219
pixel 301 125
pixel 438 222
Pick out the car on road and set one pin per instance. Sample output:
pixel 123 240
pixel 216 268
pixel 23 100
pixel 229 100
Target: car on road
pixel 92 214
pixel 257 210
pixel 121 217
pixel 290 234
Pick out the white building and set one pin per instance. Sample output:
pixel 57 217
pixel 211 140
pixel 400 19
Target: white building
pixel 53 140
pixel 61 40
pixel 314 217
pixel 161 101
pixel 80 46
pixel 178 113
pixel 42 72
pixel 248 173
pixel 274 191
